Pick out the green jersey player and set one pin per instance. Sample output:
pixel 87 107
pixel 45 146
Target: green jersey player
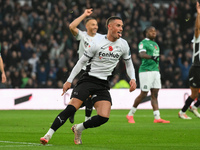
pixel 151 48
pixel 149 74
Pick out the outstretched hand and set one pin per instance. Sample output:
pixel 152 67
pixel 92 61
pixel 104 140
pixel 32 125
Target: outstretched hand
pixel 133 85
pixel 88 12
pixel 66 86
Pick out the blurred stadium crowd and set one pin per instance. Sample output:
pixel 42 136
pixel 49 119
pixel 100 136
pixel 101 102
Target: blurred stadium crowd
pixel 39 51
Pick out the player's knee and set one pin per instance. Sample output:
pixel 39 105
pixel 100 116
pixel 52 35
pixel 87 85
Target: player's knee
pixel 194 95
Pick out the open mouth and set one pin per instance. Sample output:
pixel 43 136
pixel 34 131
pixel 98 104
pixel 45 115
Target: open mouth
pixel 119 34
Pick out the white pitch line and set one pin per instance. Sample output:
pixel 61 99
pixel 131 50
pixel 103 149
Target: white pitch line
pixel 24 143
pixel 15 145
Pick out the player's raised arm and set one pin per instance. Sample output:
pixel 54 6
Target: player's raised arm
pixel 3 76
pixel 73 26
pixel 197 23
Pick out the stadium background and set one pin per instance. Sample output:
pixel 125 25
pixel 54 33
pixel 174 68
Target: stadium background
pixel 39 51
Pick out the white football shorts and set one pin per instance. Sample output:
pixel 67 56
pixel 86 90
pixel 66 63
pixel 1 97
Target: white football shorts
pixel 149 80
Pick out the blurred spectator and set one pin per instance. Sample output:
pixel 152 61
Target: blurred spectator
pixel 59 84
pixel 49 84
pixel 24 79
pixel 172 11
pixel 185 67
pixel 33 62
pixel 16 79
pixel 56 50
pixel 42 75
pixel 53 70
pixel 29 83
pixel 27 50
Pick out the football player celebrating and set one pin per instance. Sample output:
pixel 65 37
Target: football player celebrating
pixel 104 53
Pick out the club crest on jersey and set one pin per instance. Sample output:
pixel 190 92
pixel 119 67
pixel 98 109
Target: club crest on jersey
pixel 155 47
pixel 140 46
pixel 86 44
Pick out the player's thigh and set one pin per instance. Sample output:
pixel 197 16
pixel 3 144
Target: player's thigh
pixel 194 77
pixel 145 81
pixel 82 91
pixel 156 80
pixel 103 108
pixel 194 92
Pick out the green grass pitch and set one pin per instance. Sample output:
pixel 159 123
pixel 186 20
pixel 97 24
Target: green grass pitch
pixel 22 129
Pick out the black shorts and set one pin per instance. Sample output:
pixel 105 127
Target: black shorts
pixel 88 85
pixel 194 76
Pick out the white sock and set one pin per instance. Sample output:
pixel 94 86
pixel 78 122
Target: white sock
pixel 194 107
pixel 132 111
pixel 86 118
pixel 156 114
pixel 80 127
pixel 50 132
pixel 181 112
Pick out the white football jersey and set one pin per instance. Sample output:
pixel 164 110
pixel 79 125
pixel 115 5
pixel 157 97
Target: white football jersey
pixel 196 51
pixel 84 39
pixel 105 55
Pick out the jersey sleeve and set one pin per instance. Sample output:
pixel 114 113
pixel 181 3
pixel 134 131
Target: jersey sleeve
pixel 196 40
pixel 127 52
pixel 77 68
pixel 130 69
pixel 80 35
pixel 141 47
pixel 90 50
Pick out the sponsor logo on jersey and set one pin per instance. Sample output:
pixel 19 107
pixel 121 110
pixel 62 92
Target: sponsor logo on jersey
pixel 112 55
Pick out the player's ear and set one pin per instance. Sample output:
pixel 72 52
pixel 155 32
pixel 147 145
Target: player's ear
pixel 109 26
